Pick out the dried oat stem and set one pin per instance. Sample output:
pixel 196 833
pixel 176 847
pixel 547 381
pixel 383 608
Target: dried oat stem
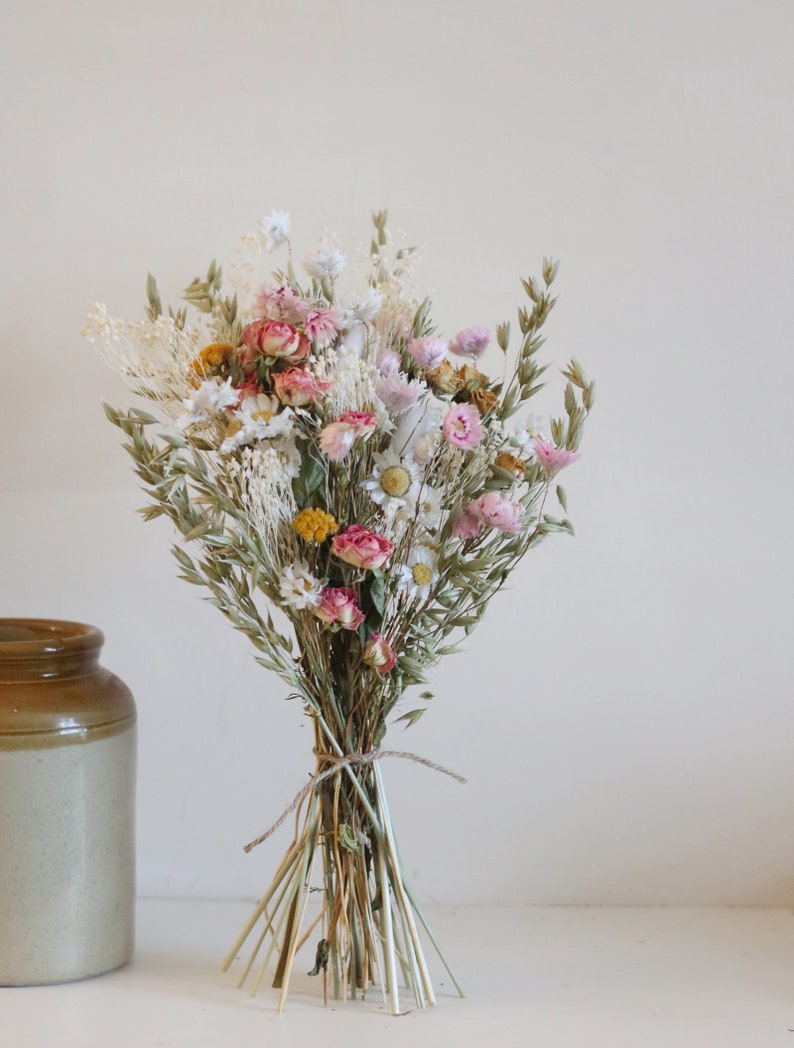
pixel 369 914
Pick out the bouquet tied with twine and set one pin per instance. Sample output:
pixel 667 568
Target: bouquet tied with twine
pixel 351 489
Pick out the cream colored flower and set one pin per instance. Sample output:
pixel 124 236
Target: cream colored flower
pixel 394 482
pixel 210 398
pixel 259 418
pixel 299 589
pixel 429 507
pixel 274 229
pixel 419 574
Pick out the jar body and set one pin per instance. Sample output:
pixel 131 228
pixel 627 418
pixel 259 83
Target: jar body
pixel 67 796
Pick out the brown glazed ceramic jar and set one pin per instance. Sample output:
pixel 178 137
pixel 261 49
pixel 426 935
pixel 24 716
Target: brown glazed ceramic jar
pixel 67 800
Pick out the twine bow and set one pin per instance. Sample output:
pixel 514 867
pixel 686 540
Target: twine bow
pixel 337 763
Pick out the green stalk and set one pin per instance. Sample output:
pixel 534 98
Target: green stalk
pixel 288 861
pixel 304 881
pixel 390 960
pixel 412 935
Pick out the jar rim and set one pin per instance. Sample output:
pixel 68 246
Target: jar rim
pixel 53 691
pixel 24 638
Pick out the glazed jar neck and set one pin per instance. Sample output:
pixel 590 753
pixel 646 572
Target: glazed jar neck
pixel 42 649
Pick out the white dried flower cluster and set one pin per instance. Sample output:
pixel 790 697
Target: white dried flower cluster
pixel 353 383
pixel 265 487
pixel 363 306
pixel 298 588
pixel 209 398
pixel 394 320
pixel 326 263
pixel 152 356
pixel 274 229
pixel 243 273
pixel 109 333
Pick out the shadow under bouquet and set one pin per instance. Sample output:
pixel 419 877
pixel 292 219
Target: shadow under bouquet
pixel 351 490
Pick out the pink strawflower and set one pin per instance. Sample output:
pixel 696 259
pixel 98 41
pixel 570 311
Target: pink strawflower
pixel 463 426
pixel 339 606
pixel 428 352
pixel 362 421
pixel 336 439
pixel 471 342
pixel 398 392
pixel 322 326
pixel 551 458
pixel 281 303
pixel 298 387
pixel 496 511
pixel 466 526
pixel 362 548
pixel 379 654
pixel 388 361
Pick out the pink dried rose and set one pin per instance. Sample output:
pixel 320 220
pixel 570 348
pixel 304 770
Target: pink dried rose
pixel 496 511
pixel 271 338
pixel 339 606
pixel 322 326
pixel 298 387
pixel 428 352
pixel 463 426
pixel 551 458
pixel 471 342
pixel 379 654
pixel 362 548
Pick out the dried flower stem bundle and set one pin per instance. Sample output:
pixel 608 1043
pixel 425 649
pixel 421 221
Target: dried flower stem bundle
pixel 350 493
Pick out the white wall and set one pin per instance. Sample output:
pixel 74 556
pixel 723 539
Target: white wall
pixel 625 714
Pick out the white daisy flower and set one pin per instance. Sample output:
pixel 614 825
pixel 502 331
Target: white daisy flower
pixel 274 229
pixel 299 589
pixel 429 507
pixel 418 432
pixel 259 418
pixel 394 482
pixel 210 397
pixel 260 408
pixel 289 454
pixel 523 435
pixel 419 574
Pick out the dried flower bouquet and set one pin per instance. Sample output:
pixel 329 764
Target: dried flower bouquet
pixel 332 461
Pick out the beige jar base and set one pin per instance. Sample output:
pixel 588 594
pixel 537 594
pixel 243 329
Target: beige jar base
pixel 67 869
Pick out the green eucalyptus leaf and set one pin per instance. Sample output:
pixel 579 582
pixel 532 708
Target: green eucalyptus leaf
pixel 377 591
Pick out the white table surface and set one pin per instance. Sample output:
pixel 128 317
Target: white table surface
pixel 535 976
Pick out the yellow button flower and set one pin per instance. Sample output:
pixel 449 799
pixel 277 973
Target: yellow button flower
pixel 315 525
pixel 212 357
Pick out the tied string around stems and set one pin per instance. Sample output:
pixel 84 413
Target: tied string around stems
pixel 336 765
